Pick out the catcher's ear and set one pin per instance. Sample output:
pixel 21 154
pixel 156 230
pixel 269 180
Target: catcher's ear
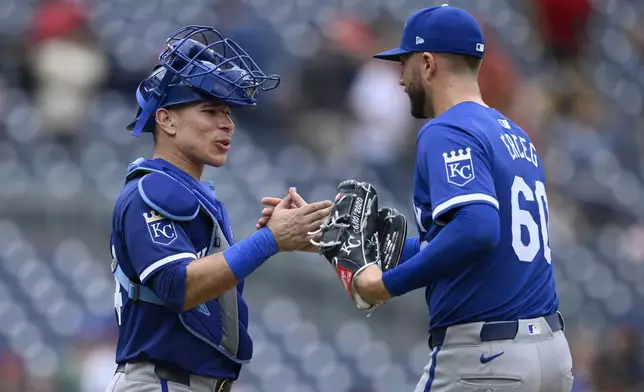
pixel 165 121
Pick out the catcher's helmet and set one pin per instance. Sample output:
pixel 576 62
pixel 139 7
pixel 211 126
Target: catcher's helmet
pixel 193 71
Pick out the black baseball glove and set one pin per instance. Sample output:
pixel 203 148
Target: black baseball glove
pixel 392 233
pixel 357 235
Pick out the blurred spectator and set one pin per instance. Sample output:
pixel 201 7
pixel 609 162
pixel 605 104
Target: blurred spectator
pixel 562 26
pixel 382 126
pixel 11 372
pixel 97 366
pixel 320 104
pixel 583 348
pixel 67 64
pixel 324 78
pixel 506 89
pixel 619 366
pixel 499 78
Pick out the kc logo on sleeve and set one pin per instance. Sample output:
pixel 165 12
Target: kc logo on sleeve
pixel 459 166
pixel 161 228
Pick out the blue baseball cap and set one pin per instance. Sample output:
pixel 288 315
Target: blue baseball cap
pixel 442 29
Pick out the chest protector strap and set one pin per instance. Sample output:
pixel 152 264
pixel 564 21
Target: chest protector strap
pixel 135 291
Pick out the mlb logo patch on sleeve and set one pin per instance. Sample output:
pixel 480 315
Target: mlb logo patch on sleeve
pixel 459 166
pixel 161 229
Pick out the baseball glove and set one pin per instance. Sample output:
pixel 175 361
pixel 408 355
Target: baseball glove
pixel 392 233
pixel 356 235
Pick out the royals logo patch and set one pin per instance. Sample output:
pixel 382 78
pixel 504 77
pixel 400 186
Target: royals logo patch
pixel 161 229
pixel 459 166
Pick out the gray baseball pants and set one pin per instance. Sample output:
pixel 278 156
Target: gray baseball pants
pixel 146 377
pixel 535 360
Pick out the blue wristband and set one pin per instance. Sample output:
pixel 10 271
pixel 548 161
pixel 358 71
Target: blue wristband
pixel 246 256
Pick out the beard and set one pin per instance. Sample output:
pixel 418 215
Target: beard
pixel 417 98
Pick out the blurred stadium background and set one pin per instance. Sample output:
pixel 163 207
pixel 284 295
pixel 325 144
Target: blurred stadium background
pixel 569 71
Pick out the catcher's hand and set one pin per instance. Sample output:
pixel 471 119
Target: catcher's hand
pixel 350 234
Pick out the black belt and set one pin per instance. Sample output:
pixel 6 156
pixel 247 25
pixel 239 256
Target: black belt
pixel 182 377
pixel 497 330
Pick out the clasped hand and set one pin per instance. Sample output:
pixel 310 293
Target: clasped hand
pixel 368 283
pixel 293 221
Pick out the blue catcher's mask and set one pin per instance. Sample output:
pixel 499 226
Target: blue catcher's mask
pixel 192 71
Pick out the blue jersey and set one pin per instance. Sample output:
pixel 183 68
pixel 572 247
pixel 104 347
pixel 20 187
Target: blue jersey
pixel 474 154
pixel 145 243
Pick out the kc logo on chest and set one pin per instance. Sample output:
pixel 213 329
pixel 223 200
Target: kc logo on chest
pixel 459 166
pixel 161 229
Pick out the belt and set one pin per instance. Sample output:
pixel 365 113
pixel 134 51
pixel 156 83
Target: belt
pixel 502 330
pixel 182 377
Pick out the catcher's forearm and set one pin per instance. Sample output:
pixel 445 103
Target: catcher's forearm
pixel 182 286
pixel 474 229
pixel 211 276
pixel 207 278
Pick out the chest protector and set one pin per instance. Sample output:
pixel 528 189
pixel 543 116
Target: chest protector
pixel 217 322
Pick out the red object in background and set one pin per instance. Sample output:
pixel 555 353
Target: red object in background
pixel 56 18
pixel 11 369
pixel 498 77
pixel 500 81
pixel 352 35
pixel 562 23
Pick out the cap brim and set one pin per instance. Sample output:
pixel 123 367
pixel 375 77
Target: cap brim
pixel 391 54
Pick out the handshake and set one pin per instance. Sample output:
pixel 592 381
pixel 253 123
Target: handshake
pixel 351 232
